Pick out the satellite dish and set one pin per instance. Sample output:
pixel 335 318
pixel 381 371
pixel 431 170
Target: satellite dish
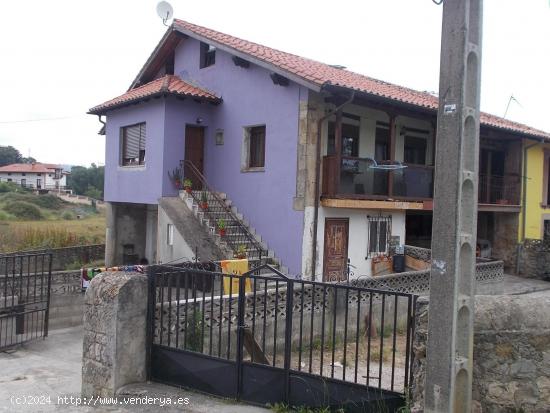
pixel 165 11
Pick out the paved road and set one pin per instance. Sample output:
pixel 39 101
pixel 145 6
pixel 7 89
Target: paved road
pixel 52 367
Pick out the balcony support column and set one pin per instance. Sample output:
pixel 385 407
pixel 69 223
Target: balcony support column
pixel 392 151
pixel 338 149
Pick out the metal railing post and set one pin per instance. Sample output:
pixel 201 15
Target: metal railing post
pixel 49 283
pixel 288 335
pixel 240 332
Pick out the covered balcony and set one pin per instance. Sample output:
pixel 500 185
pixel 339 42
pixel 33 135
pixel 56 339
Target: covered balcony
pixel 353 177
pixel 353 145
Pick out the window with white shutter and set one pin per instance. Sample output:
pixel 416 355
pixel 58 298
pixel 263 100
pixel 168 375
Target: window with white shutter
pixel 133 144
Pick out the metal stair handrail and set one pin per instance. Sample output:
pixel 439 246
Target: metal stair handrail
pixel 249 237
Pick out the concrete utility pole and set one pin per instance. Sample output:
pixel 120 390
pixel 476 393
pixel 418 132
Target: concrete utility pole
pixel 452 281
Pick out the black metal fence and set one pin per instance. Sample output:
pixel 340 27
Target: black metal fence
pixel 24 298
pixel 265 338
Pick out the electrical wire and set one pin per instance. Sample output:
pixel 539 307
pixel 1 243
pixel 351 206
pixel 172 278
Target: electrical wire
pixel 38 120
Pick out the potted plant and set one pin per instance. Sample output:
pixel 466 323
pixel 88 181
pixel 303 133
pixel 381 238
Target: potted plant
pixel 204 201
pixel 241 252
pixel 175 177
pixel 187 184
pixel 221 227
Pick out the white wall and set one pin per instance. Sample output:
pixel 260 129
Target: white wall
pixel 358 235
pixel 31 178
pixel 178 252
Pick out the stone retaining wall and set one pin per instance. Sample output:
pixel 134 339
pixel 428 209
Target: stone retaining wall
pixel 511 354
pixel 535 259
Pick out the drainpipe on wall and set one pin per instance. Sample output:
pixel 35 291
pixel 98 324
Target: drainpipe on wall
pixel 318 178
pixel 524 204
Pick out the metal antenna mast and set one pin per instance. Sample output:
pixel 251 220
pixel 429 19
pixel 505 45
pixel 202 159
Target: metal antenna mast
pixel 452 281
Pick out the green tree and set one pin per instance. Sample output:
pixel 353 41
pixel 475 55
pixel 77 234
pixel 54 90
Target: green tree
pixel 9 155
pixel 82 179
pixel 93 192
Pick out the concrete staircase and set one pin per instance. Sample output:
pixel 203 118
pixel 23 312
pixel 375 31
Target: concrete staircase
pixel 238 233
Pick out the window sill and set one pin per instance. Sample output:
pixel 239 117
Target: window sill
pixel 131 167
pixel 254 169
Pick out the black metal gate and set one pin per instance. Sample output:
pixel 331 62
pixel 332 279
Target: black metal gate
pixel 266 339
pixel 24 298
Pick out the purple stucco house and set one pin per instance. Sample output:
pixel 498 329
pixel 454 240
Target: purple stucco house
pixel 281 147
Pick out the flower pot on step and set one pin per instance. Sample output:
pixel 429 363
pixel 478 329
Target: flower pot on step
pixel 221 232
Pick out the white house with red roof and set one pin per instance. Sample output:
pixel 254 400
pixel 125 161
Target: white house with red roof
pixel 35 175
pixel 301 148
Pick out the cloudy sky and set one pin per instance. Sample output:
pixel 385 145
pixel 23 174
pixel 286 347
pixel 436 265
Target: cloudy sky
pixel 59 58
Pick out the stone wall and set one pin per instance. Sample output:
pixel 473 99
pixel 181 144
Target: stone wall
pixel 511 354
pixel 505 239
pixel 535 259
pixel 114 345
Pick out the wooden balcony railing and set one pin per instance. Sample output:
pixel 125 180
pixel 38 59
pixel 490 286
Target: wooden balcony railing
pixel 498 189
pixel 350 177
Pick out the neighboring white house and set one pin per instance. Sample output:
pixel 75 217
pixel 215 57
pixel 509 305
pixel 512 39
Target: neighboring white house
pixel 35 175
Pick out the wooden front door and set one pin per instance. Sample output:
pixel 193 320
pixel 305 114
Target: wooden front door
pixel 194 152
pixel 336 249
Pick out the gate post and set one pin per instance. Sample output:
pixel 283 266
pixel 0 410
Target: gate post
pixel 240 331
pixel 151 301
pixel 288 335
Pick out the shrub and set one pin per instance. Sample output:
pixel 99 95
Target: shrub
pixel 47 201
pixel 7 187
pixel 23 210
pixel 4 216
pixel 68 215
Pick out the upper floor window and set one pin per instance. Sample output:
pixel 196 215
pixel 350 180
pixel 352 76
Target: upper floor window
pixel 254 148
pixel 415 150
pixel 546 180
pixel 208 55
pixel 57 174
pixel 133 144
pixel 350 139
pixel 382 142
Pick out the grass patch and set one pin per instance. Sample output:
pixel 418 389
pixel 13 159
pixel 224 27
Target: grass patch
pixel 24 235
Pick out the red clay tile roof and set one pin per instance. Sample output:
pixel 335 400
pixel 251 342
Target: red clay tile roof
pixel 321 74
pixel 29 168
pixel 168 84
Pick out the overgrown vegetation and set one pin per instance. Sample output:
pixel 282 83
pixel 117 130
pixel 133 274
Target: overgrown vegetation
pixel 194 327
pixel 23 210
pixel 30 221
pixel 285 408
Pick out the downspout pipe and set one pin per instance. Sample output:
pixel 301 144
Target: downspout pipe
pixel 317 181
pixel 524 203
